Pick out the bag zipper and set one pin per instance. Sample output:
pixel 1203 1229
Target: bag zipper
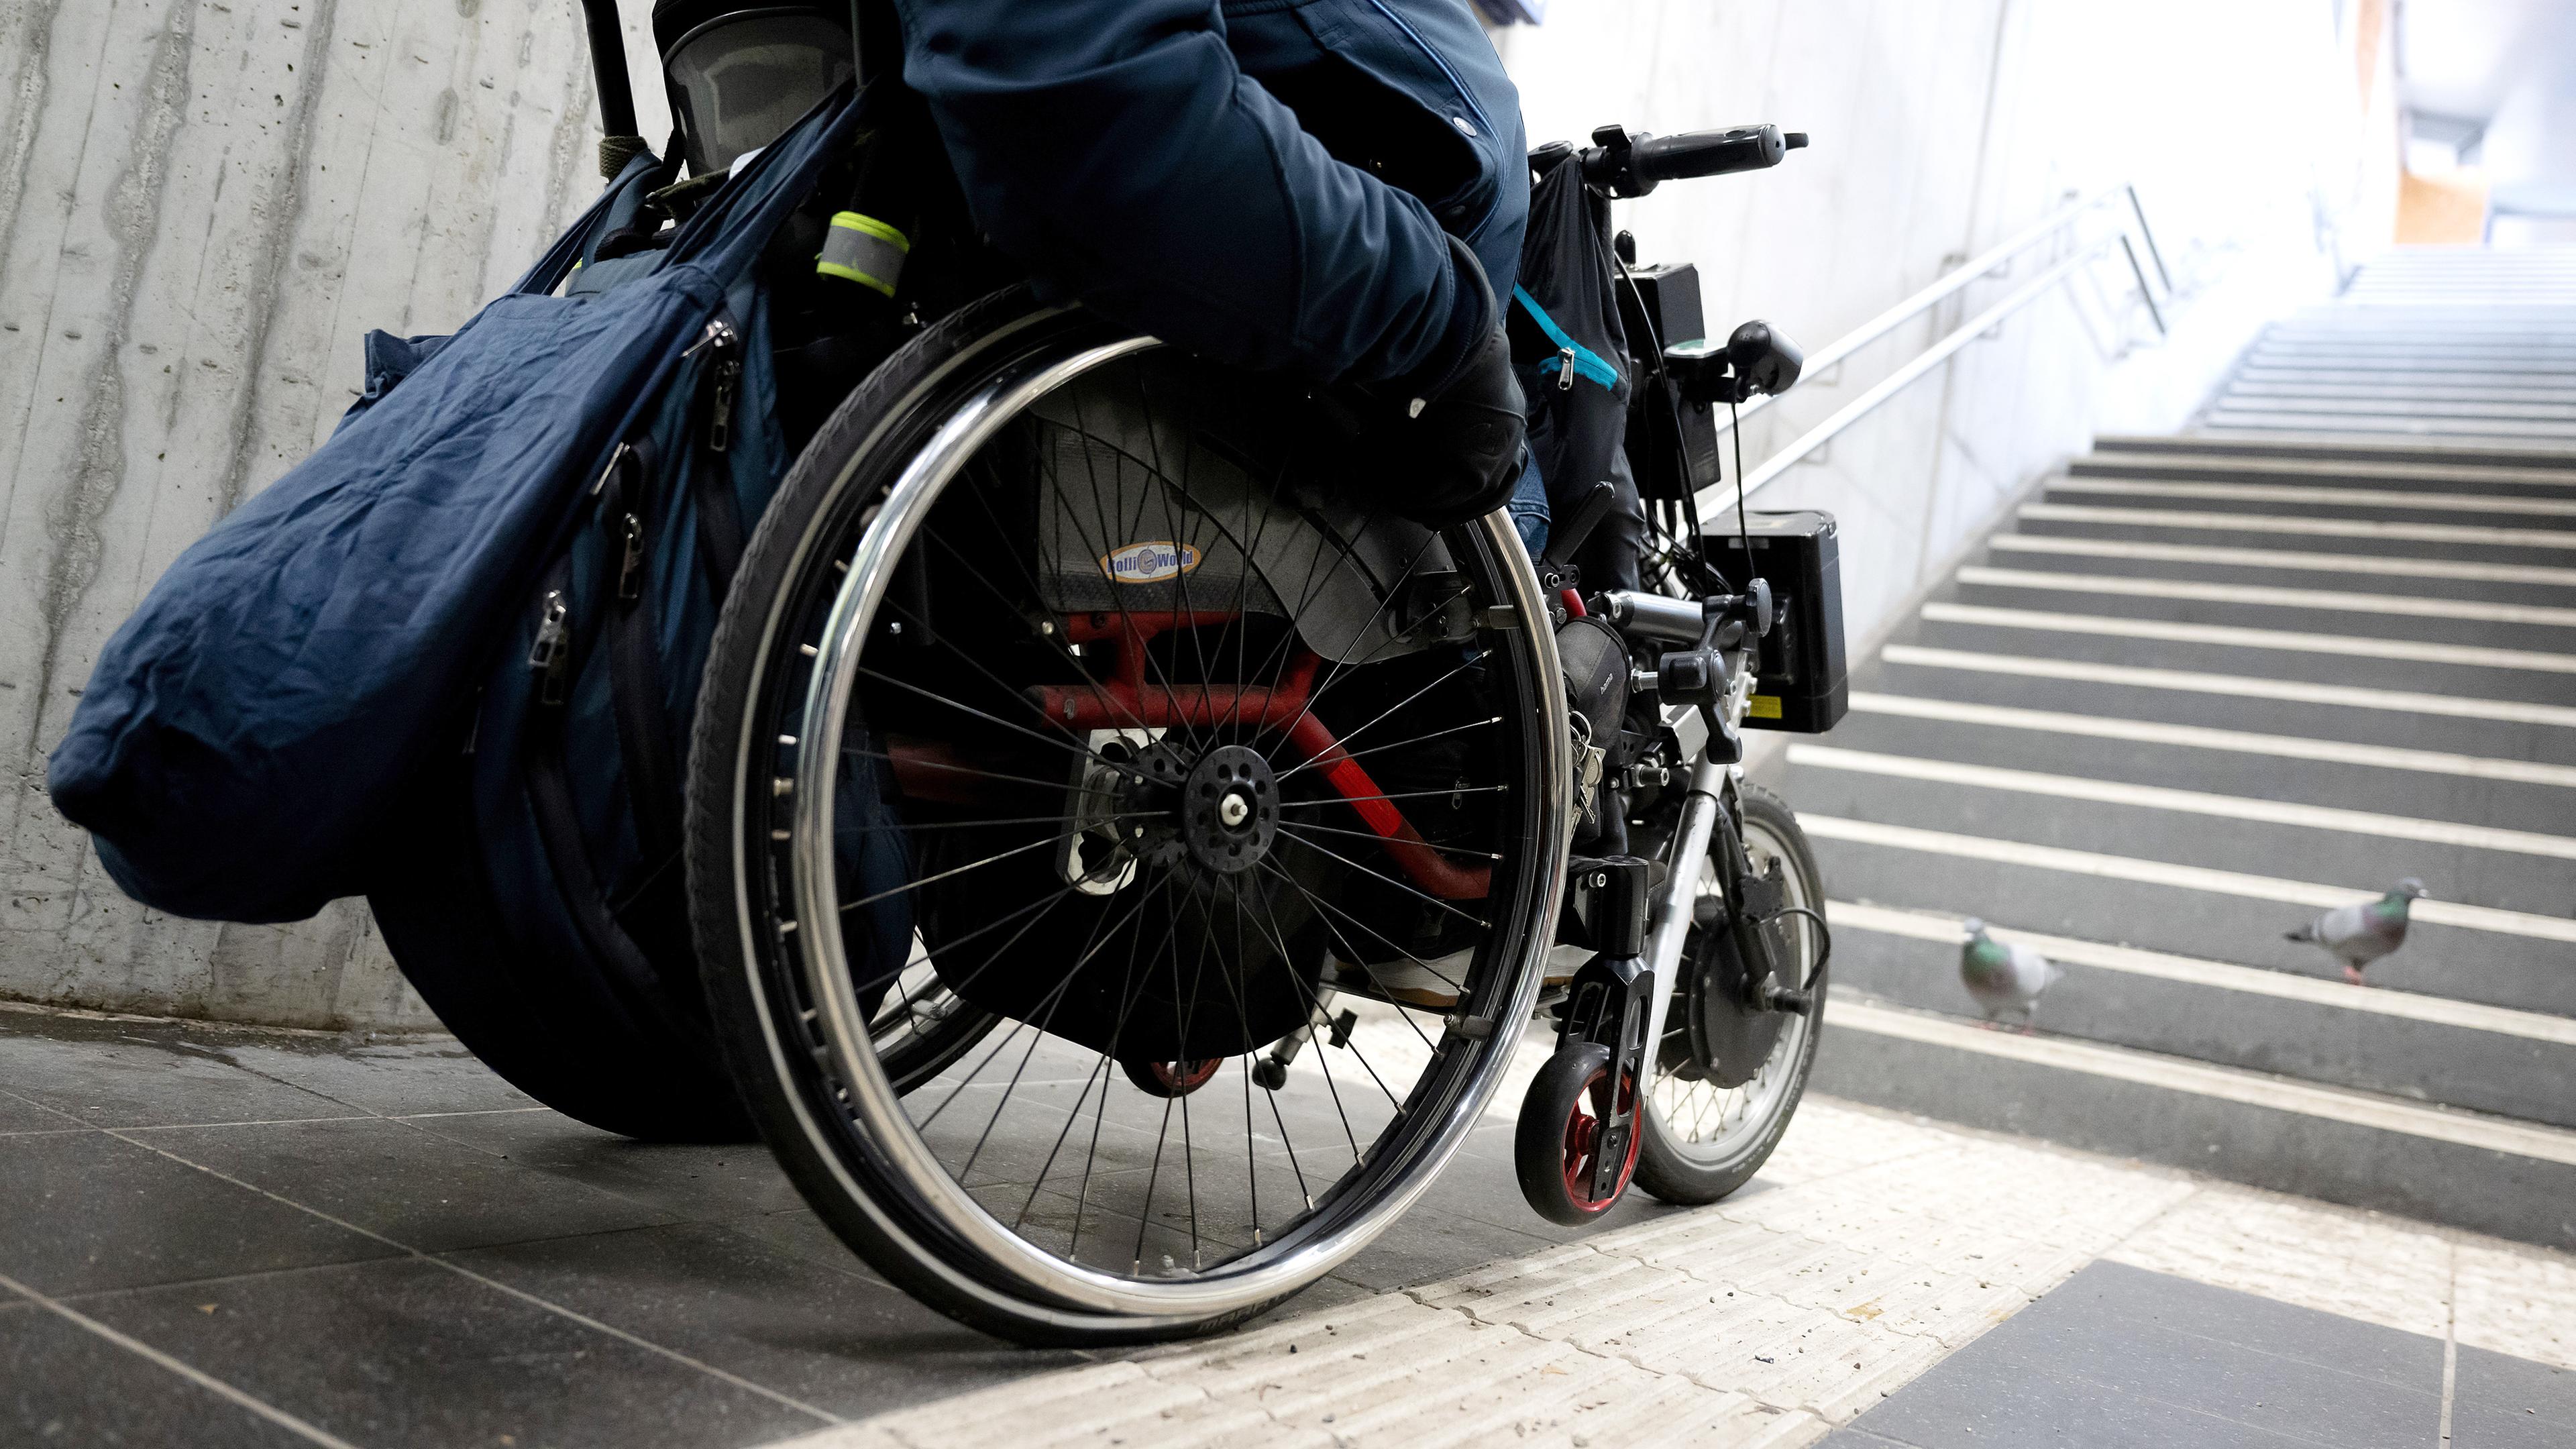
pixel 551 659
pixel 721 338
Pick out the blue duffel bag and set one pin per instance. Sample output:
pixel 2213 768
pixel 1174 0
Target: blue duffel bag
pixel 449 661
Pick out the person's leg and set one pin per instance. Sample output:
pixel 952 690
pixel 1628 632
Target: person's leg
pixel 1529 509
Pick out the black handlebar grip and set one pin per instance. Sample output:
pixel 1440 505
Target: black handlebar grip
pixel 1707 153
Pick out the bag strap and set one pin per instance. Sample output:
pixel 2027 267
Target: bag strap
pixel 727 234
pixel 615 207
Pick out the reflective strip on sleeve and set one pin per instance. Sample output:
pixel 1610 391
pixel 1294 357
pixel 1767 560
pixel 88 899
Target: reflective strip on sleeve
pixel 864 250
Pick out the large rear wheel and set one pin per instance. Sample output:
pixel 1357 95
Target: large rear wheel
pixel 1066 666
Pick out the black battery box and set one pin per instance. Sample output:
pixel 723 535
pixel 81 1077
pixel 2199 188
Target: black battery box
pixel 1672 440
pixel 1802 684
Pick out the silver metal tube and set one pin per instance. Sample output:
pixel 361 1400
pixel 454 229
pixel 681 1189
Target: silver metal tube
pixel 1718 498
pixel 1656 616
pixel 2147 234
pixel 1940 291
pixel 1671 920
pixel 2146 293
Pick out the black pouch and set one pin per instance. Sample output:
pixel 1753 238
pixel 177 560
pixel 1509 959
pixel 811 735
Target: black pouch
pixel 1567 338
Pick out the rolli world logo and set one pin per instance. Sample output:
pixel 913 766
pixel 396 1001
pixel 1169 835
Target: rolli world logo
pixel 1149 563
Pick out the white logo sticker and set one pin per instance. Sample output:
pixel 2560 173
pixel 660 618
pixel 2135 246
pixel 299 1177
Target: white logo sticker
pixel 1149 563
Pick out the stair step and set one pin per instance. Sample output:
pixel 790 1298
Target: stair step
pixel 2345 448
pixel 2373 502
pixel 2224 420
pixel 2545 482
pixel 2482 541
pixel 2250 701
pixel 2059 621
pixel 2488 1173
pixel 2422 1048
pixel 2341 822
pixel 2512 959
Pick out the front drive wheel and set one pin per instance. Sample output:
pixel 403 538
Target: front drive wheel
pixel 1064 667
pixel 1710 1125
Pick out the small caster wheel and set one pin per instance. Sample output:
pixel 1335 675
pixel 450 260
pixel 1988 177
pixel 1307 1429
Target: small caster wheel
pixel 1171 1079
pixel 1563 1123
pixel 1271 1073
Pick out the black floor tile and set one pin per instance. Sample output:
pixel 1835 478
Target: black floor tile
pixel 845 1343
pixel 2120 1356
pixel 146 1082
pixel 406 1352
pixel 1426 1244
pixel 17 1114
pixel 62 1384
pixel 803 1236
pixel 396 1077
pixel 423 1191
pixel 692 1182
pixel 2502 1402
pixel 84 1211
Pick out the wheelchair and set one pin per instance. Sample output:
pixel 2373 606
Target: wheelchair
pixel 1125 865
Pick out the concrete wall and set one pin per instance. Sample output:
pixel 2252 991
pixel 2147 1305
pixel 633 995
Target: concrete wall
pixel 203 206
pixel 1940 128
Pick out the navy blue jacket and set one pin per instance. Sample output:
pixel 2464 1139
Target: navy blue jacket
pixel 1261 181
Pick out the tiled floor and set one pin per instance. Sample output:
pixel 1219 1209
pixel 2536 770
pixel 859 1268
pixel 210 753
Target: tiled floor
pixel 224 1237
pixel 2120 1356
pixel 388 1244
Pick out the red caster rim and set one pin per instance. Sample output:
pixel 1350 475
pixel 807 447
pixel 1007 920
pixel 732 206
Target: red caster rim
pixel 1555 1146
pixel 1172 1079
pixel 1583 1131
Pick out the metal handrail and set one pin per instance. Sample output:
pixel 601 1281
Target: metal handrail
pixel 1720 497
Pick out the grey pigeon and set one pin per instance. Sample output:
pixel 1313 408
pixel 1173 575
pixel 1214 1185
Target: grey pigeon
pixel 2004 977
pixel 2364 931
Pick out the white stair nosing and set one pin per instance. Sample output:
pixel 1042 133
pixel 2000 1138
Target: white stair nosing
pixel 2269 595
pixel 2464 533
pixel 2238 685
pixel 2181 877
pixel 2238 637
pixel 2314 495
pixel 2251 809
pixel 2379 565
pixel 2208 737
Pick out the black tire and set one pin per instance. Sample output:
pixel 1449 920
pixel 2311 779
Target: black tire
pixel 1569 1095
pixel 1670 1165
pixel 864 1161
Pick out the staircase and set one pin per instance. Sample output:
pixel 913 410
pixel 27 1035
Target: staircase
pixel 2205 687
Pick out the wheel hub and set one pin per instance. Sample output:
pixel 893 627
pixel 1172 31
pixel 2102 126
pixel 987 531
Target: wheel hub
pixel 1229 809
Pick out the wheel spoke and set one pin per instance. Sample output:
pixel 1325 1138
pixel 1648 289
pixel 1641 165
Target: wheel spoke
pixel 1403 885
pixel 1470 662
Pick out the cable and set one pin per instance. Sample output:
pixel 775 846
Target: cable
pixel 1744 531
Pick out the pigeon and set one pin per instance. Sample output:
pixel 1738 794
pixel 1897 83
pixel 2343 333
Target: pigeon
pixel 2004 977
pixel 2359 934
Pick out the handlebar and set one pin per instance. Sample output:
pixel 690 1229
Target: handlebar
pixel 1710 153
pixel 1621 164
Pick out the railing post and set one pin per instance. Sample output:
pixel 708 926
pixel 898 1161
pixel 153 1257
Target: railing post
pixel 2147 234
pixel 2145 292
